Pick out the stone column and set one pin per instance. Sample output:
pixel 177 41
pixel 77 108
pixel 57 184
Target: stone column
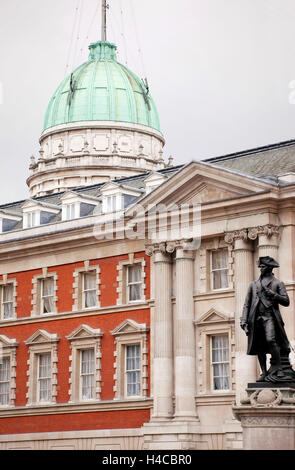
pixel 245 366
pixel 162 330
pixel 268 242
pixel 184 337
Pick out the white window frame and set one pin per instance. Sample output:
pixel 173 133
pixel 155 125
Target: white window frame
pixel 130 283
pixel 39 378
pixel 42 296
pixel 122 289
pixel 78 286
pixel 81 351
pixel 37 290
pixel 32 219
pixel 128 371
pixel 70 211
pixel 130 333
pixel 41 342
pixel 2 359
pixel 221 390
pixel 85 291
pixel 219 269
pixel 10 301
pixel 82 338
pixel 8 347
pixel 4 283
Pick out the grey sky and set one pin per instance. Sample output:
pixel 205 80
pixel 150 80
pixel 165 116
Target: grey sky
pixel 219 71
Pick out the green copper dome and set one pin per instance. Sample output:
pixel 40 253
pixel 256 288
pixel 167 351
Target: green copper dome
pixel 102 89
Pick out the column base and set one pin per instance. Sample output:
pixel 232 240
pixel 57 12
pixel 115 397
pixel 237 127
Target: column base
pixel 173 435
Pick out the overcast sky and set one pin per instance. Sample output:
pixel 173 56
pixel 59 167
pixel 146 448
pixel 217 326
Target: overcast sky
pixel 220 71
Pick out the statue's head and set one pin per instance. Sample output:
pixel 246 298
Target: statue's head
pixel 266 264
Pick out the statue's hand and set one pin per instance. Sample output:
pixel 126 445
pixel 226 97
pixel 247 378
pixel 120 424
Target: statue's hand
pixel 244 327
pixel 270 293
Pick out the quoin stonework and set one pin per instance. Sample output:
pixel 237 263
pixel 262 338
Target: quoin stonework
pixel 120 320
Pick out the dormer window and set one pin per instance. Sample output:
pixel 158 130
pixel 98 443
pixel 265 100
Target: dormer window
pixel 117 197
pixel 76 205
pixel 37 213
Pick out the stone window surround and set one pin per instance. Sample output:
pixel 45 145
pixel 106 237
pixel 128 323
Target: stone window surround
pixel 8 349
pixel 5 281
pixel 121 279
pixel 129 332
pixel 36 292
pixel 206 327
pixel 205 264
pixel 77 285
pixel 84 337
pixel 41 342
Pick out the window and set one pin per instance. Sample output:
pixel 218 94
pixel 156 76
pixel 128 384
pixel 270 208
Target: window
pixel 220 362
pixel 134 283
pixel 42 373
pixel 131 363
pixel 47 295
pixel 133 370
pixel 85 364
pixel 44 293
pixel 7 299
pixel 4 380
pixel 89 297
pixel 70 212
pixel 86 290
pixel 31 219
pixel 87 374
pixel 111 203
pixel 44 377
pixel 130 278
pixel 219 269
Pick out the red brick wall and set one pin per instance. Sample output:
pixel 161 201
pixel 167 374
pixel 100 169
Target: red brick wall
pixel 63 327
pixel 75 421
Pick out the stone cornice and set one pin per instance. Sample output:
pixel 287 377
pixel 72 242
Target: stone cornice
pixel 67 408
pixel 77 313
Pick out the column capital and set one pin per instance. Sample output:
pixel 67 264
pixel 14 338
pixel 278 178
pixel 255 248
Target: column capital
pixel 252 233
pixel 170 247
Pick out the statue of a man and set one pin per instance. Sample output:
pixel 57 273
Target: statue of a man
pixel 263 324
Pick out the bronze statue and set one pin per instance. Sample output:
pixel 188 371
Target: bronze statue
pixel 263 324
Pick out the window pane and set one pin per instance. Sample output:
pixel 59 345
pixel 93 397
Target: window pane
pixel 44 377
pixel 48 286
pixel 8 293
pixel 135 292
pixel 87 374
pixel 4 381
pixel 219 259
pixel 8 310
pixel 134 273
pixel 220 279
pixel 220 362
pixel 89 281
pixel 133 370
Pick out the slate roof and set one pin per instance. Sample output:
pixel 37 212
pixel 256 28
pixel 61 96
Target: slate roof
pixel 266 162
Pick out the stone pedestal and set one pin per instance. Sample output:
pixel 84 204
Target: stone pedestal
pixel 176 435
pixel 267 416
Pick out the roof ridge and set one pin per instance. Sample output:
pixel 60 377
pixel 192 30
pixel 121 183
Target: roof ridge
pixel 244 153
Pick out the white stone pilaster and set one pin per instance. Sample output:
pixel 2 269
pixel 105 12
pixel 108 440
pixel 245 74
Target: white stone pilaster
pixel 162 330
pixel 184 337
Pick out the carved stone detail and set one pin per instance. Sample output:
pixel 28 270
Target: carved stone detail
pixel 252 233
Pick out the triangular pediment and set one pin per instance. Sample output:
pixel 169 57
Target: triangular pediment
pixel 42 336
pixel 6 342
pixel 200 182
pixel 214 316
pixel 129 326
pixel 84 332
pixel 155 176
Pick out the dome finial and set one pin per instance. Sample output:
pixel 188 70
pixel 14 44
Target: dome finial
pixel 104 8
